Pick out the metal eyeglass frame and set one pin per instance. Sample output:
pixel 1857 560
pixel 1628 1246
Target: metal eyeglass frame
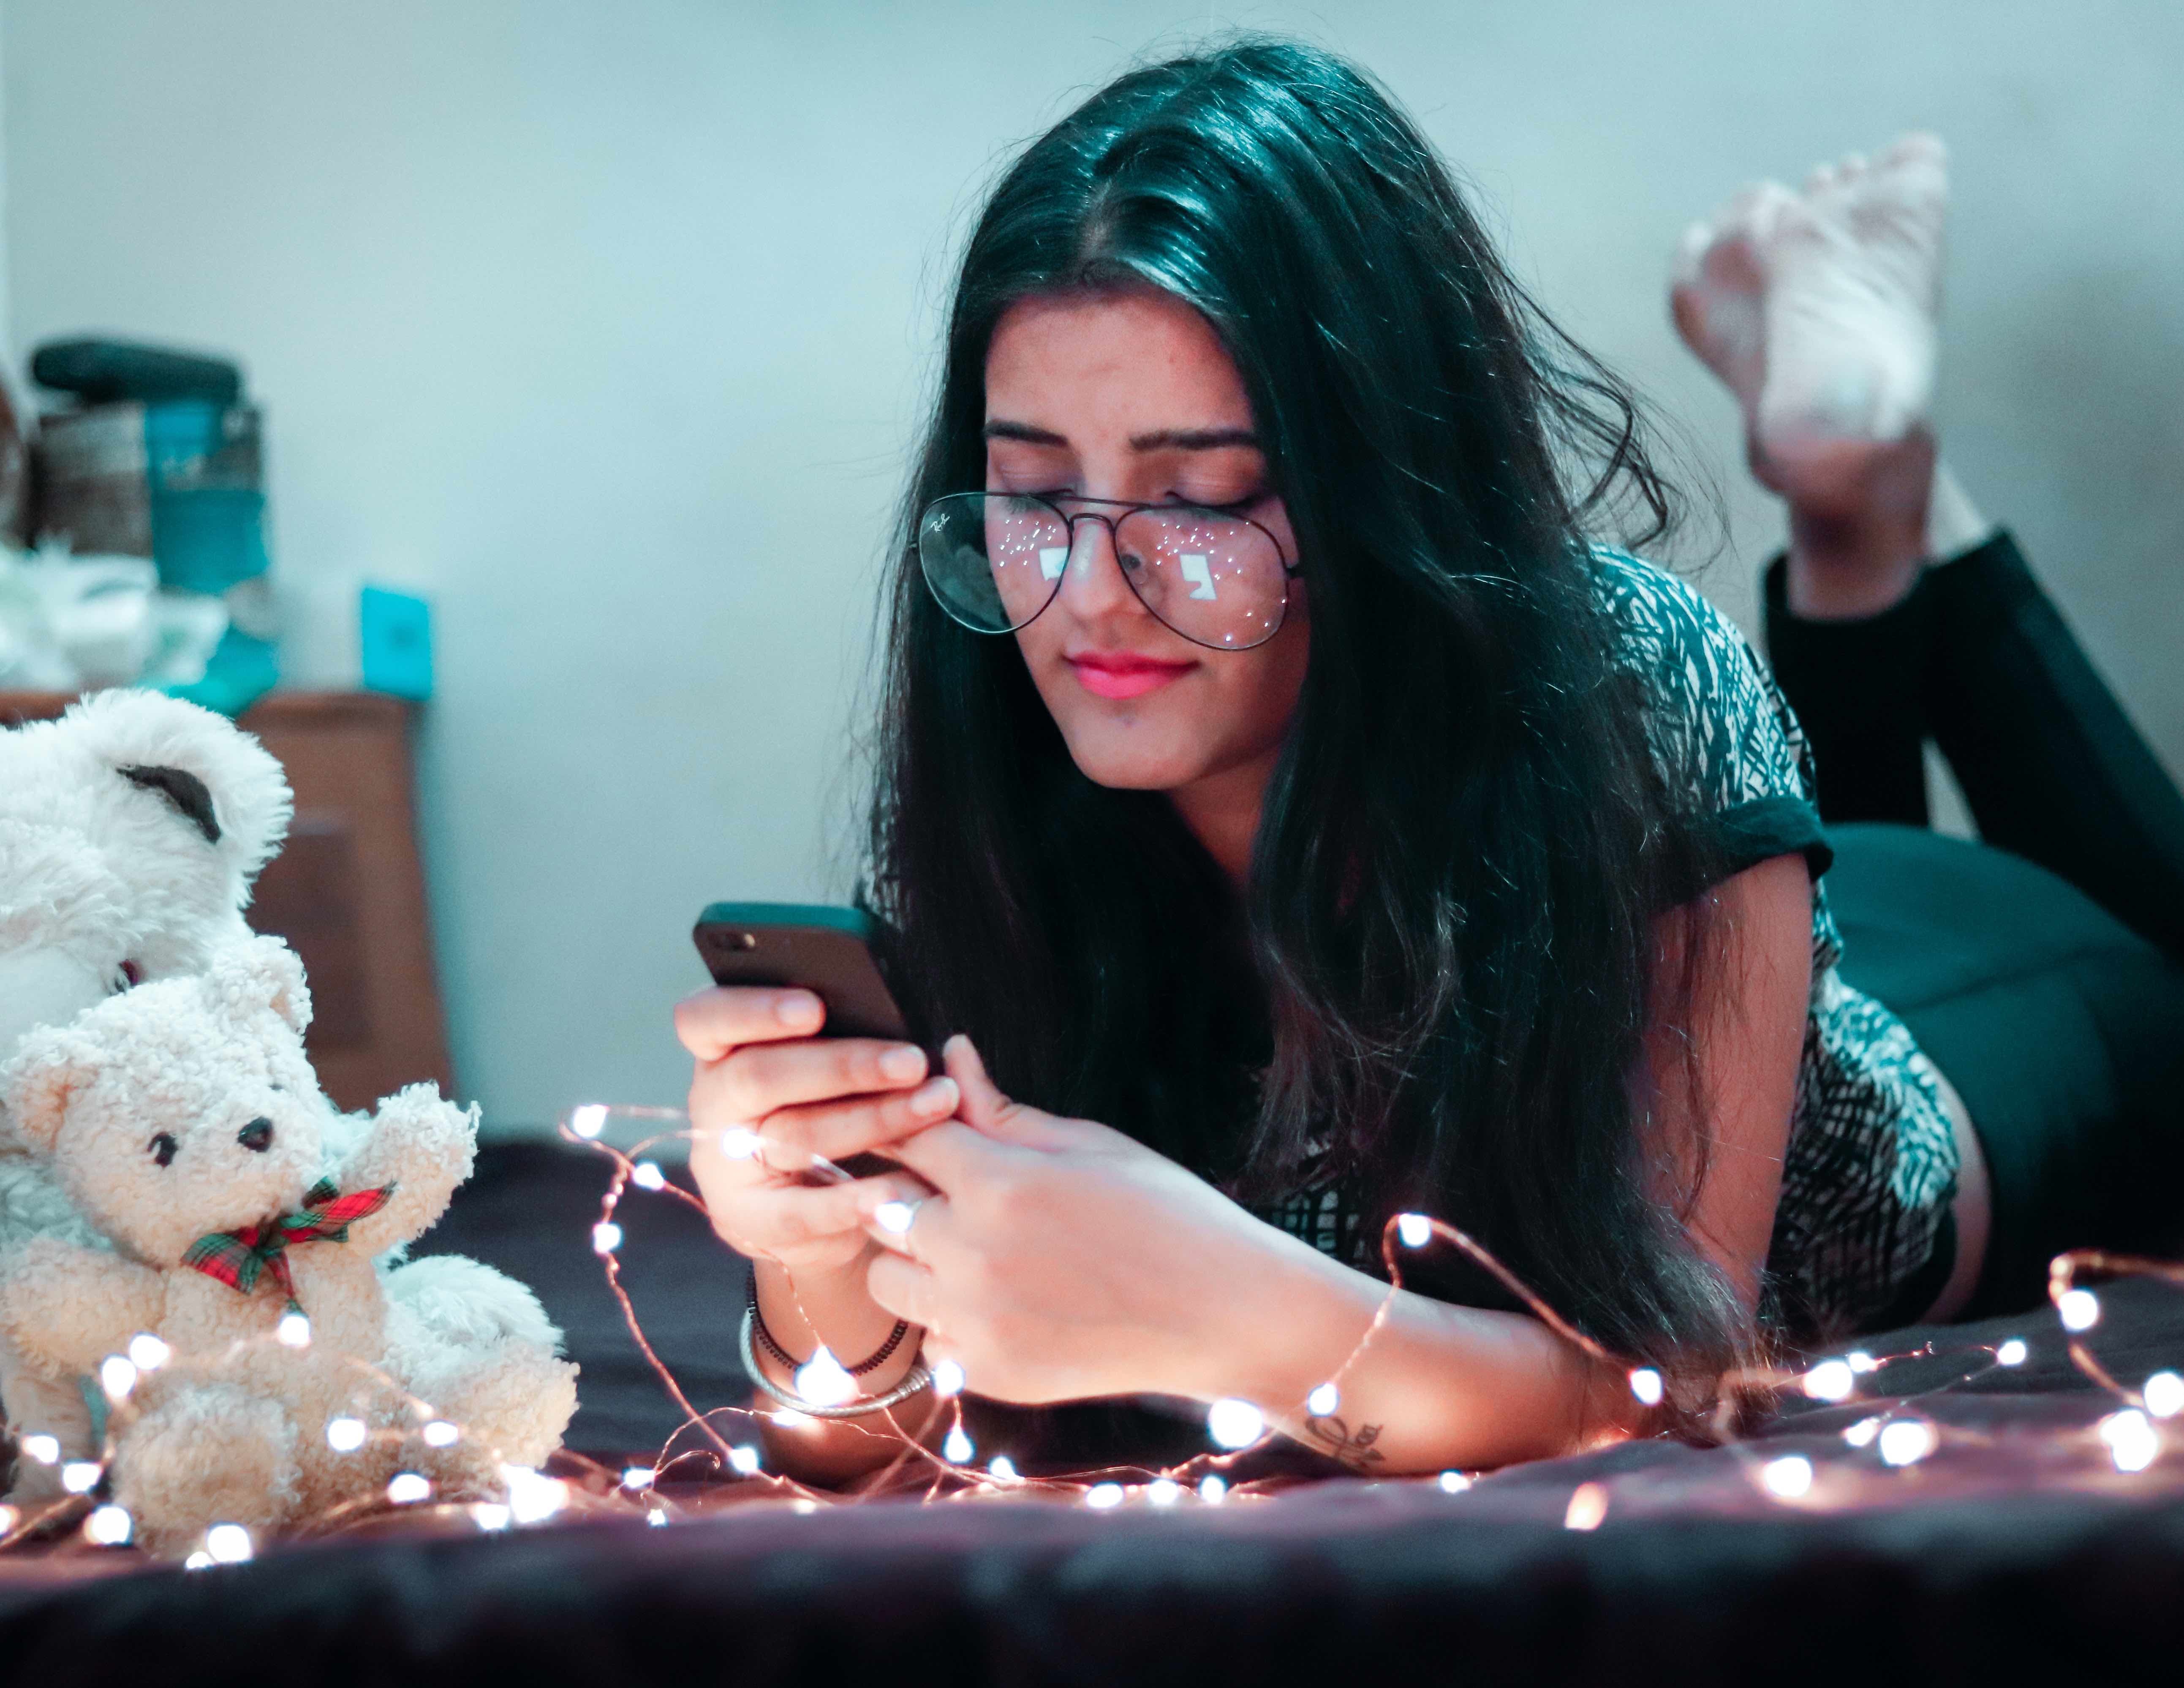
pixel 1128 507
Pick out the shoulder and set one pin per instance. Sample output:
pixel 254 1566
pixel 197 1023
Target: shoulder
pixel 1724 737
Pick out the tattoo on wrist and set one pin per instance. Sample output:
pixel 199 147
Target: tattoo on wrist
pixel 1353 1451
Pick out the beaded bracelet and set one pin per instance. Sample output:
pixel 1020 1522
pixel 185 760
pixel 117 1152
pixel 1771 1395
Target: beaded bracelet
pixel 871 1362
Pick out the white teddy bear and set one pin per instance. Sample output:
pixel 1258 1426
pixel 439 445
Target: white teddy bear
pixel 182 1118
pixel 130 830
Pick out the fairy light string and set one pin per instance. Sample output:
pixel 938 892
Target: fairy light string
pixel 928 1432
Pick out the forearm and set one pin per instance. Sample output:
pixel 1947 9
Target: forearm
pixel 1434 1387
pixel 834 1308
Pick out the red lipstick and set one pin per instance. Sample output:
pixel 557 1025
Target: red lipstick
pixel 1123 674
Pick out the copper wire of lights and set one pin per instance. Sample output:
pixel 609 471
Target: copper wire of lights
pixel 938 1445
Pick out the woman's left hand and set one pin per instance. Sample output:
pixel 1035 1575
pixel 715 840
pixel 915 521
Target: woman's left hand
pixel 1058 1259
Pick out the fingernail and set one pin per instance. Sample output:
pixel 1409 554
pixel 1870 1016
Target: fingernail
pixel 934 1100
pixel 799 1009
pixel 903 1062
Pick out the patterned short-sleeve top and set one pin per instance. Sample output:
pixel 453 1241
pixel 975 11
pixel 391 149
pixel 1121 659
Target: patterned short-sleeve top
pixel 1871 1165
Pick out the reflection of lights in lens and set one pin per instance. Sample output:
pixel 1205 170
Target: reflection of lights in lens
pixel 2012 1352
pixel 1907 1441
pixel 1788 1477
pixel 2079 1309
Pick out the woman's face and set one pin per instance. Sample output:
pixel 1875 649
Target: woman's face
pixel 1130 396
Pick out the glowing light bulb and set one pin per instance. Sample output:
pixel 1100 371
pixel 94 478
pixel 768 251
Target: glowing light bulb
pixel 1322 1400
pixel 2133 1442
pixel 109 1526
pixel 1454 1482
pixel 1163 1491
pixel 804 1508
pixel 438 1433
pixel 117 1376
pixel 81 1476
pixel 405 1488
pixel 345 1434
pixel 294 1330
pixel 2165 1395
pixel 1788 1477
pixel 1415 1229
pixel 894 1217
pixel 199 1561
pixel 1861 1435
pixel 2012 1352
pixel 1830 1380
pixel 790 1419
pixel 647 1175
pixel 1212 1489
pixel 958 1449
pixel 1861 1362
pixel 2078 1309
pixel 147 1353
pixel 654 1516
pixel 490 1515
pixel 947 1377
pixel 589 1120
pixel 741 1142
pixel 532 1496
pixel 1906 1441
pixel 637 1477
pixel 607 1237
pixel 1235 1423
pixel 821 1380
pixel 229 1543
pixel 1100 1497
pixel 9 1519
pixel 1587 1508
pixel 744 1458
pixel 1001 1469
pixel 44 1449
pixel 1646 1385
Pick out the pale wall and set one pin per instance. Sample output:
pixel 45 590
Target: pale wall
pixel 605 324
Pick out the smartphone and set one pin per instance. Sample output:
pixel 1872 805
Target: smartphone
pixel 825 951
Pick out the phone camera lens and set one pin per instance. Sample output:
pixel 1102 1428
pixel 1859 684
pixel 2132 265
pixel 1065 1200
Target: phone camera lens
pixel 747 940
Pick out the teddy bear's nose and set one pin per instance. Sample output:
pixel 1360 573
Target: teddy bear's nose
pixel 257 1136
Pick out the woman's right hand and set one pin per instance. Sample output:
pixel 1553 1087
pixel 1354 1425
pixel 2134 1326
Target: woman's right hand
pixel 761 1069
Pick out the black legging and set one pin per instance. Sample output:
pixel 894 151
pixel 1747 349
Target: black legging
pixel 2062 1025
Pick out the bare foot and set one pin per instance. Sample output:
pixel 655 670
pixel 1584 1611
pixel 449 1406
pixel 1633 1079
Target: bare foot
pixel 1819 309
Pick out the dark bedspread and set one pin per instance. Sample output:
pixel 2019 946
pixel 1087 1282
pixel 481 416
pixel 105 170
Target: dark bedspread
pixel 2015 1553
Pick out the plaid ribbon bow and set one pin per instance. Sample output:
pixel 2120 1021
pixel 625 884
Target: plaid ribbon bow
pixel 237 1258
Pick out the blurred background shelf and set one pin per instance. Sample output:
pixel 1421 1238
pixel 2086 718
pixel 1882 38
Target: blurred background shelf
pixel 347 890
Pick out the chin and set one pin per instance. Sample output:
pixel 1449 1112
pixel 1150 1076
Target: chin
pixel 1128 766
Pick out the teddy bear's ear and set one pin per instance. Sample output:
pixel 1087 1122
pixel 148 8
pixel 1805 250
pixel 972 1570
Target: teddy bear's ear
pixel 218 780
pixel 51 1066
pixel 260 974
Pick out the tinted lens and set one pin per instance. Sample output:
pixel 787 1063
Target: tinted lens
pixel 993 560
pixel 1216 579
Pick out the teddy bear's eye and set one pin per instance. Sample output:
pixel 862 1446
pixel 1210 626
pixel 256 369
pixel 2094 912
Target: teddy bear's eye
pixel 276 1086
pixel 163 1148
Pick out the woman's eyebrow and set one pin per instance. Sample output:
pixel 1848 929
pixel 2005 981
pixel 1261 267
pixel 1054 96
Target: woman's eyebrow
pixel 1164 439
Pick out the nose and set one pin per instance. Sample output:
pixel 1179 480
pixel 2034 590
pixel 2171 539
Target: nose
pixel 1095 584
pixel 257 1136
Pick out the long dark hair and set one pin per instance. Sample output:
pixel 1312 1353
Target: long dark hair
pixel 1437 983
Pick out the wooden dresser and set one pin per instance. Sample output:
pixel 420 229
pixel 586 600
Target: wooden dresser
pixel 347 891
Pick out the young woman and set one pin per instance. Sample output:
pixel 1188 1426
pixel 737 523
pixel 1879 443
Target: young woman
pixel 1298 822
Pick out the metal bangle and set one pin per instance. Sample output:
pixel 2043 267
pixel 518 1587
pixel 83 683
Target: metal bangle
pixel 915 1379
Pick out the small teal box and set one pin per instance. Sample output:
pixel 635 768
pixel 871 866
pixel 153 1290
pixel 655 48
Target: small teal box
pixel 397 638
